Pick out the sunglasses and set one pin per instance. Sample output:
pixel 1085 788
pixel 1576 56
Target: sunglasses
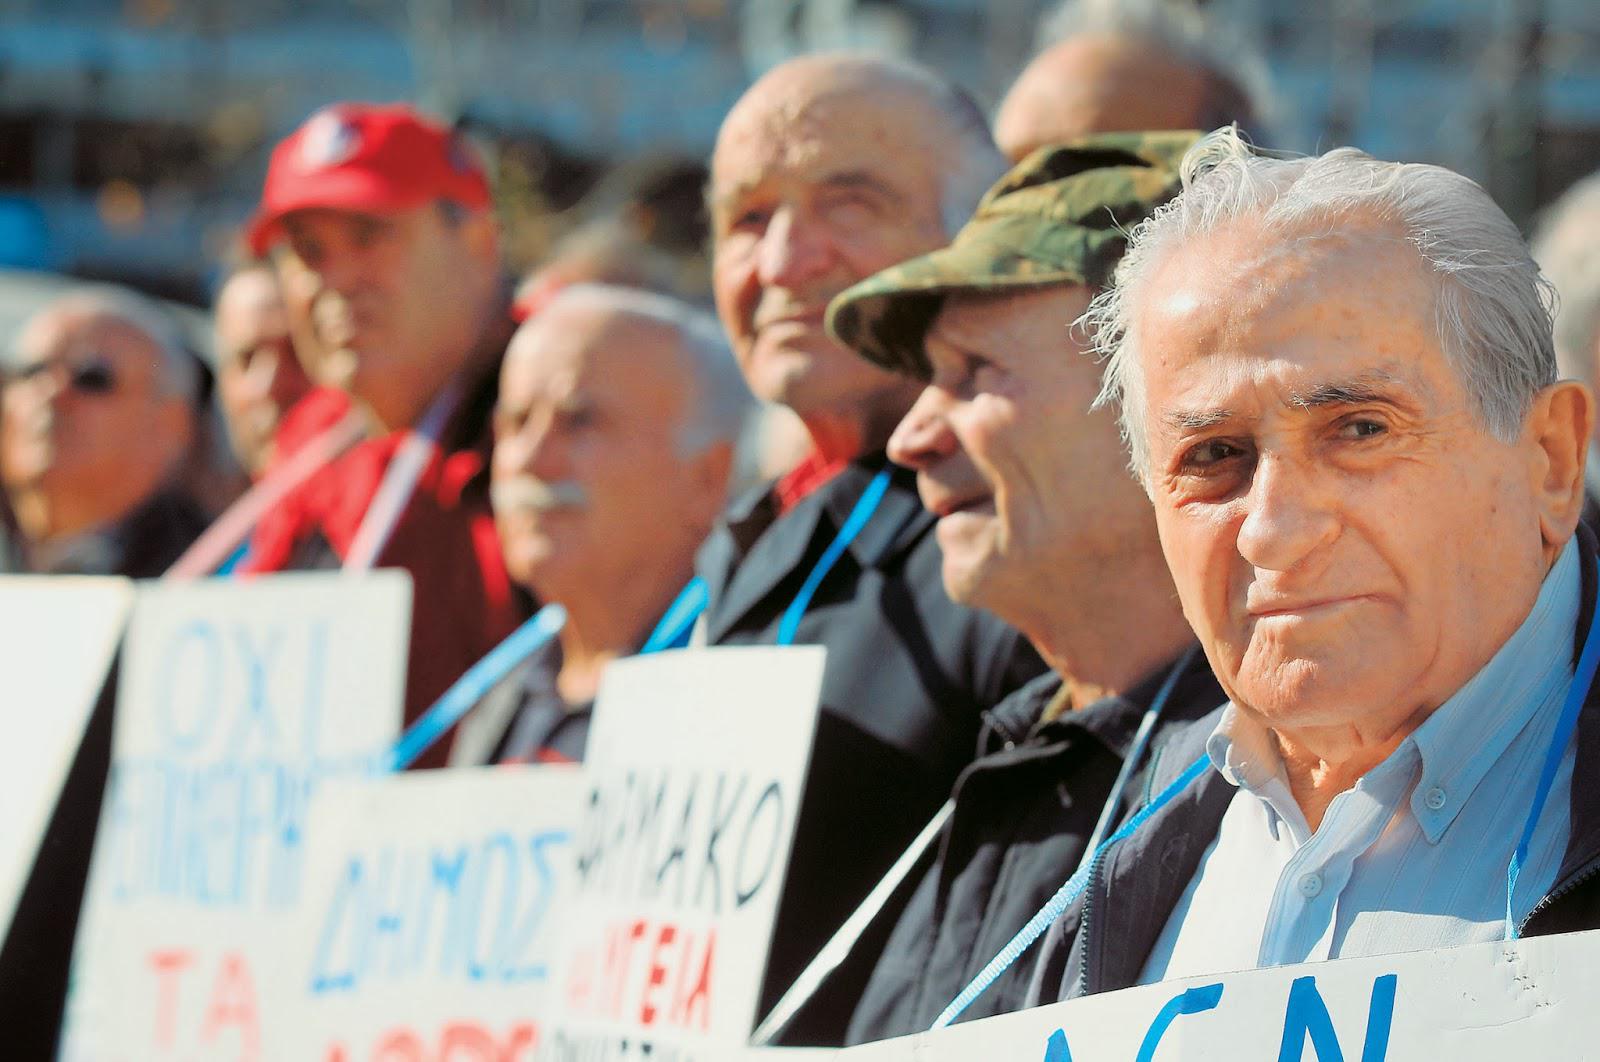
pixel 90 377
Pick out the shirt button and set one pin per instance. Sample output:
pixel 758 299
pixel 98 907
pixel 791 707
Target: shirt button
pixel 1435 798
pixel 1310 886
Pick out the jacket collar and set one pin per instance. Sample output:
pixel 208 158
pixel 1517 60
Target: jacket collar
pixel 756 550
pixel 1583 845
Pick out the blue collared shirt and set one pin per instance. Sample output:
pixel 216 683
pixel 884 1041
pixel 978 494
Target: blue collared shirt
pixel 1414 856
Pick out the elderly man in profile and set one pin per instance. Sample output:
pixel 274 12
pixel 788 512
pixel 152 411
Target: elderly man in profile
pixel 830 168
pixel 614 437
pixel 259 375
pixel 1125 65
pixel 1041 525
pixel 1367 478
pixel 99 417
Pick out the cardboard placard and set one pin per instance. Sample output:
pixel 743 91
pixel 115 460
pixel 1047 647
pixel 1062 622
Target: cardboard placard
pixel 1482 1003
pixel 696 763
pixel 433 904
pixel 57 639
pixel 236 703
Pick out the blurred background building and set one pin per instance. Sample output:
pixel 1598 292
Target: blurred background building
pixel 134 133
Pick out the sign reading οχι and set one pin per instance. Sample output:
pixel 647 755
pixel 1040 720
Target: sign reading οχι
pixel 235 705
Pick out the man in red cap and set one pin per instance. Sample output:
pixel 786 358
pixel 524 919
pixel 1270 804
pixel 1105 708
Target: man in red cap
pixel 384 220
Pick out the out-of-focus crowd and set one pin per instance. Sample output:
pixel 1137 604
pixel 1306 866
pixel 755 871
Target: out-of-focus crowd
pixel 905 433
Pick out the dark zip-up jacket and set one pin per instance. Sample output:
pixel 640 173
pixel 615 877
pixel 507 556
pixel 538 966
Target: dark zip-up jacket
pixel 1023 815
pixel 1102 943
pixel 907 677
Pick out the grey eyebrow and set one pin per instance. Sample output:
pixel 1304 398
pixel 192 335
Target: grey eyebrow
pixel 1373 386
pixel 1196 419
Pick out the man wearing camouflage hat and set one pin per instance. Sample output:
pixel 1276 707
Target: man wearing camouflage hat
pixel 1040 523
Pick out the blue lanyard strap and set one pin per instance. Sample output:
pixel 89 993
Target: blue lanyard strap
pixel 1566 725
pixel 1057 905
pixel 673 630
pixel 854 524
pixel 470 688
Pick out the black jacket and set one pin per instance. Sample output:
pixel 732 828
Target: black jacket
pixel 142 545
pixel 1022 818
pixel 1102 943
pixel 907 676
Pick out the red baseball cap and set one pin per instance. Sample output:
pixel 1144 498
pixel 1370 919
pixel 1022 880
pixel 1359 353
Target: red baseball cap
pixel 372 158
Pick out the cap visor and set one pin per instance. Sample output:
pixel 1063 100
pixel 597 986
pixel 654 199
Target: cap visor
pixel 358 191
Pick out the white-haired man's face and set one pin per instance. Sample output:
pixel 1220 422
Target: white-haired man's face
pixel 589 481
pixel 1348 540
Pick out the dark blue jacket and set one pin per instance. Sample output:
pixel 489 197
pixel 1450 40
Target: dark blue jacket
pixel 908 676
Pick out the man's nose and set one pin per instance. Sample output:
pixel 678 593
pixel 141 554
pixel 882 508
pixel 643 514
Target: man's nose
pixel 1291 514
pixel 793 251
pixel 923 435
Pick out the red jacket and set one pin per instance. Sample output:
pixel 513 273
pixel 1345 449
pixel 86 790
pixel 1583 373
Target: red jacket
pixel 463 603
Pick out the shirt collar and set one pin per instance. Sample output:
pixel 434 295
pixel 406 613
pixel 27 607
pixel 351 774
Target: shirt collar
pixel 1459 742
pixel 1470 731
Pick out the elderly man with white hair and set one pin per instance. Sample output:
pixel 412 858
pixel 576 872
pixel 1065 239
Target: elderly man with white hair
pixel 1337 380
pixel 613 441
pixel 98 417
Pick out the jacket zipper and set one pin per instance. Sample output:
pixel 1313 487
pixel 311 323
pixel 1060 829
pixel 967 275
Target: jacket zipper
pixel 1559 891
pixel 1083 926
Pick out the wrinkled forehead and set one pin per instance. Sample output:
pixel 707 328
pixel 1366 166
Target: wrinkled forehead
pixel 601 355
pixel 72 331
pixel 1242 304
pixel 878 126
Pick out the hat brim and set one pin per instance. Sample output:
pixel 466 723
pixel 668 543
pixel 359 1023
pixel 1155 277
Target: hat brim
pixel 886 317
pixel 356 190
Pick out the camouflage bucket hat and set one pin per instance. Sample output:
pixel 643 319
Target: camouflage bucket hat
pixel 1060 217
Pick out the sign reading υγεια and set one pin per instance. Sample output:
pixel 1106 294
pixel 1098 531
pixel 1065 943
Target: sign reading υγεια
pixel 696 764
pixel 236 704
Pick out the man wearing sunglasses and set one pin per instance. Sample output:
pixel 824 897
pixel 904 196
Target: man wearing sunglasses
pixel 98 414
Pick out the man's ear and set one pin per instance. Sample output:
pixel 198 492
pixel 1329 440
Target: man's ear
pixel 1559 427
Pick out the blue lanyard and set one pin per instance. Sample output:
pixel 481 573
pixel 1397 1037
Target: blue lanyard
pixel 1566 726
pixel 469 689
pixel 673 630
pixel 1056 906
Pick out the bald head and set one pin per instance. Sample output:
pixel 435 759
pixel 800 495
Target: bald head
pixel 937 119
pixel 614 437
pixel 830 168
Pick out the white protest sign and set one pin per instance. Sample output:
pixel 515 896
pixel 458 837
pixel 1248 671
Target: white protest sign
pixel 1483 1003
pixel 57 638
pixel 434 903
pixel 236 702
pixel 696 762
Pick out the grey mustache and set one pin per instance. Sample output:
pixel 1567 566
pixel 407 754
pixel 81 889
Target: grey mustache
pixel 526 492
